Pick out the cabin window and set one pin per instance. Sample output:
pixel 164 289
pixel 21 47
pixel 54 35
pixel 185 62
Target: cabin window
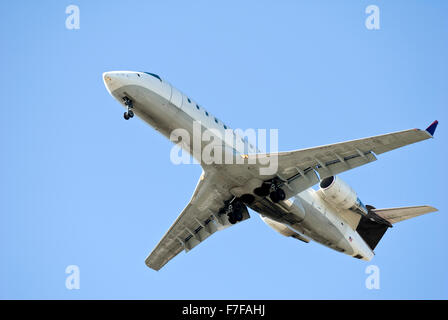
pixel 225 127
pixel 197 107
pixel 206 113
pixel 216 120
pixel 189 101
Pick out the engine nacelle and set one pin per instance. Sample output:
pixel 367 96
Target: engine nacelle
pixel 338 193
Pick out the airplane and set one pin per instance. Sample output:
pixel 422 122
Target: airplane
pixel 333 215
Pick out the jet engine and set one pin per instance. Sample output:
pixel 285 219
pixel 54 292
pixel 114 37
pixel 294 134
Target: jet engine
pixel 338 193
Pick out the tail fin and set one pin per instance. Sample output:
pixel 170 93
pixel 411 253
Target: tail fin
pixel 394 215
pixel 373 226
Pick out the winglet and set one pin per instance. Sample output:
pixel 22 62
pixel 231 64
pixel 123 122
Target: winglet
pixel 432 128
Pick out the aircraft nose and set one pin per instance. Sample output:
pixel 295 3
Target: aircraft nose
pixel 116 81
pixel 107 76
pixel 113 80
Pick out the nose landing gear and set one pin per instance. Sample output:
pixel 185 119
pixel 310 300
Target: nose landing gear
pixel 128 114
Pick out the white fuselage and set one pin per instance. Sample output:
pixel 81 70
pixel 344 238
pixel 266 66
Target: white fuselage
pixel 165 108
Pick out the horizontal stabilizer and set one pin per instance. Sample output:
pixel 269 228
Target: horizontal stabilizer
pixel 394 215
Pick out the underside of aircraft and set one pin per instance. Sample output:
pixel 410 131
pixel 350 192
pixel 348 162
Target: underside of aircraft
pixel 333 215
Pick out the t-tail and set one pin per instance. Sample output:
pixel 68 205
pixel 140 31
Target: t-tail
pixel 374 225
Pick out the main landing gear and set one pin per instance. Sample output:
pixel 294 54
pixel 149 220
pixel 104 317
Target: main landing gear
pixel 272 189
pixel 277 195
pixel 128 114
pixel 234 211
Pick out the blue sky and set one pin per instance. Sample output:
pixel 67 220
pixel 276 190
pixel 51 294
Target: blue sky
pixel 81 186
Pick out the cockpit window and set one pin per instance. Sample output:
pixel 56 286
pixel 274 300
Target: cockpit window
pixel 154 75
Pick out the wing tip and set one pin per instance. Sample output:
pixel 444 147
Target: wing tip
pixel 432 128
pixel 432 209
pixel 151 265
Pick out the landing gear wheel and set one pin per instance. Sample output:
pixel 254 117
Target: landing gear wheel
pixel 281 194
pixel 235 217
pixel 247 198
pixel 277 195
pixel 235 213
pixel 274 197
pixel 239 215
pixel 128 102
pixel 263 191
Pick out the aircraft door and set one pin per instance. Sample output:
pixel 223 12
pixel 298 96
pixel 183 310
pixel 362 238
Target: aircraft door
pixel 176 97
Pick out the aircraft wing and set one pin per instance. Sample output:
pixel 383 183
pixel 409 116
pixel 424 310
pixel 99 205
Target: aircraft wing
pixel 332 159
pixel 199 219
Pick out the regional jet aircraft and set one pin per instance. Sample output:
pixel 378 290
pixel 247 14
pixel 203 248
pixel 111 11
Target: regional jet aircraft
pixel 333 215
